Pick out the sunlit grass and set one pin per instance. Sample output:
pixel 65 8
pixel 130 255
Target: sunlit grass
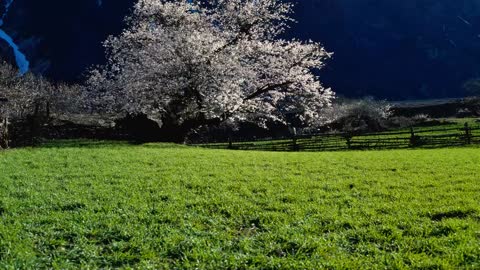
pixel 108 205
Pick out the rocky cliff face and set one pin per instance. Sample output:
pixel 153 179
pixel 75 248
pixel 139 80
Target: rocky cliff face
pixel 393 49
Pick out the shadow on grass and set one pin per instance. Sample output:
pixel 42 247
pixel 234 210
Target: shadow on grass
pixel 281 148
pixel 94 144
pixel 461 214
pixel 111 144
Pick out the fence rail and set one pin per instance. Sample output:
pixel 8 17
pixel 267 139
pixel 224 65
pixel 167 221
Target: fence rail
pixel 426 138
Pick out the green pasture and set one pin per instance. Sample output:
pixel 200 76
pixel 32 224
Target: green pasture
pixel 81 204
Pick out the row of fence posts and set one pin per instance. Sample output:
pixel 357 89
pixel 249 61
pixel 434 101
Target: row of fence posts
pixel 414 140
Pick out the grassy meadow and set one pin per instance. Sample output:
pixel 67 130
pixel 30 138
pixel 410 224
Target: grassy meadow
pixel 73 204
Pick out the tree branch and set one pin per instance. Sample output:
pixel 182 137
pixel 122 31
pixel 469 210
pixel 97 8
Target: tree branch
pixel 244 32
pixel 267 88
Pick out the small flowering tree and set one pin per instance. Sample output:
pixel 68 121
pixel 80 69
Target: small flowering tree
pixel 20 97
pixel 365 114
pixel 189 64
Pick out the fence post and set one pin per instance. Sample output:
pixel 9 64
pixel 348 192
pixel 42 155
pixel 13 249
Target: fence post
pixel 468 134
pixel 413 138
pixel 348 137
pixel 230 143
pixel 293 132
pixel 294 145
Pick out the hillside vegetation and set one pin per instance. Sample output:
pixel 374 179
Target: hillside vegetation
pixel 106 205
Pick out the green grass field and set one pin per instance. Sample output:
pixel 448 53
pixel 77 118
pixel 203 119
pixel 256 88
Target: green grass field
pixel 110 205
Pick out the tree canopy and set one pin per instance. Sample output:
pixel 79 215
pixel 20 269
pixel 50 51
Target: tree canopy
pixel 190 64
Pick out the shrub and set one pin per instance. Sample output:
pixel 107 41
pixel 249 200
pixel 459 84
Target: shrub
pixel 365 114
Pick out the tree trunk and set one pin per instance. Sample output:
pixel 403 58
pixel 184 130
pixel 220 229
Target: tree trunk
pixel 142 129
pixel 178 133
pixel 4 135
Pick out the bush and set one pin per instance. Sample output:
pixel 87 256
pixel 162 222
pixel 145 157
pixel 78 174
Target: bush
pixel 401 121
pixel 473 105
pixel 361 115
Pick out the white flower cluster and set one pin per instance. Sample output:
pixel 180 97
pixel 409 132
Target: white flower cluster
pixel 24 95
pixel 214 61
pixel 19 95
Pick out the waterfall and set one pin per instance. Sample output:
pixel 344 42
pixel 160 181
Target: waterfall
pixel 20 58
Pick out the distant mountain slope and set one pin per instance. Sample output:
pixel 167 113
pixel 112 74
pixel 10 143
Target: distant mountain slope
pixel 406 49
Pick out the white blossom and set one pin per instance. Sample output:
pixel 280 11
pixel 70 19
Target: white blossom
pixel 192 64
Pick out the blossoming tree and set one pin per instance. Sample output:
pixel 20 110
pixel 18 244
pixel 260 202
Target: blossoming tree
pixel 190 64
pixel 20 97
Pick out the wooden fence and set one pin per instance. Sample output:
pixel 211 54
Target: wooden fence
pixel 415 137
